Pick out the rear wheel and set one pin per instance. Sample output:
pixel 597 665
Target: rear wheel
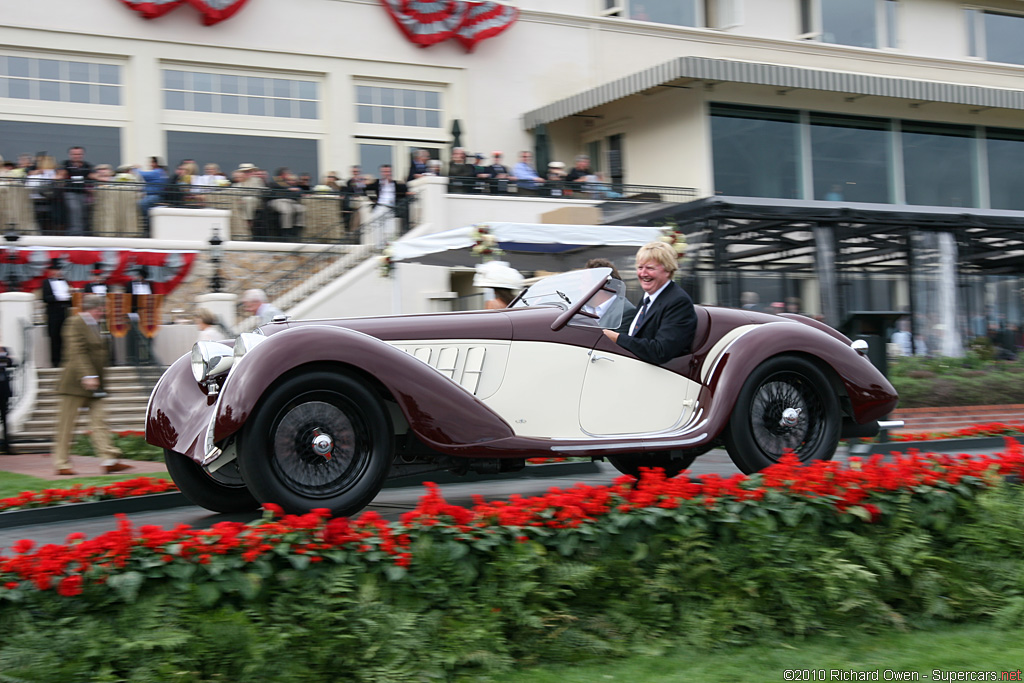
pixel 205 491
pixel 631 464
pixel 319 440
pixel 787 404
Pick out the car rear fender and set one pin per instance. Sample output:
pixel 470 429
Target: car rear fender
pixel 734 358
pixel 438 410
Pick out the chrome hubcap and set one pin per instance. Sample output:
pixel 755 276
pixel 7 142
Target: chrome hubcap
pixel 790 416
pixel 323 444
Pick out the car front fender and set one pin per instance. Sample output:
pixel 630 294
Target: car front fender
pixel 439 411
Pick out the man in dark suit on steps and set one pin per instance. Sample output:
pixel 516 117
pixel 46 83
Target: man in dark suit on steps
pixel 665 322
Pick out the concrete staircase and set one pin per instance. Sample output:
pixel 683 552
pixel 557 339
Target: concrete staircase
pixel 128 390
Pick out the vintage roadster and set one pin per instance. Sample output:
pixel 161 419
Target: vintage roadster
pixel 319 413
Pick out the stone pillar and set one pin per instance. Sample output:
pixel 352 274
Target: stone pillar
pixel 224 305
pixel 430 204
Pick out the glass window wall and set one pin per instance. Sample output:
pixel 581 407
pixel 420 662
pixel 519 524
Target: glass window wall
pixel 1005 149
pixel 219 94
pixel 938 164
pixel 1002 37
pixel 755 151
pixel 55 80
pixel 849 22
pixel 851 158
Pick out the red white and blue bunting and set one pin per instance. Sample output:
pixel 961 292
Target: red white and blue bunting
pixel 213 11
pixel 165 270
pixel 428 22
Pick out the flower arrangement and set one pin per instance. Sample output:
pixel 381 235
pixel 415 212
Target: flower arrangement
pixel 384 263
pixel 322 188
pixel 486 244
pixel 222 181
pixel 16 173
pixel 676 239
pixel 127 488
pixel 125 178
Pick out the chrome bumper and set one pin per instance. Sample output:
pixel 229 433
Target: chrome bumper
pixel 890 424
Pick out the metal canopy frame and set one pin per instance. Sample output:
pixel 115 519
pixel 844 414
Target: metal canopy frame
pixel 732 236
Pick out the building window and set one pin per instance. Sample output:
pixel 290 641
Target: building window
pixel 237 94
pixel 755 151
pixel 58 80
pixel 938 164
pixel 720 14
pixel 860 23
pixel 995 36
pixel 398 106
pixel 851 159
pixel 1004 150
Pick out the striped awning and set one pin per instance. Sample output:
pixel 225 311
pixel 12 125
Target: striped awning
pixel 755 73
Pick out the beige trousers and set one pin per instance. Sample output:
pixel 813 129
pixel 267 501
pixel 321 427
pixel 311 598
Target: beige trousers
pixel 99 431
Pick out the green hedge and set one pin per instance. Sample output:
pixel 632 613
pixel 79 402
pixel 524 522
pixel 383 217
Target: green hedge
pixel 972 380
pixel 733 563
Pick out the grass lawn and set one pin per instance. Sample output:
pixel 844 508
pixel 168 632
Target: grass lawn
pixel 12 484
pixel 902 655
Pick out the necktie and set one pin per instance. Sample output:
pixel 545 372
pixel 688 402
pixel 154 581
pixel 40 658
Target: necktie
pixel 640 315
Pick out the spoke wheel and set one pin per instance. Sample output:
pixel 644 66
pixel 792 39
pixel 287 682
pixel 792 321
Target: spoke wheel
pixel 318 440
pixel 205 491
pixel 786 405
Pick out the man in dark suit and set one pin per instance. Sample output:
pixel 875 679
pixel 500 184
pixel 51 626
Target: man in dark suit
pixel 6 363
pixel 57 297
pixel 665 323
pixel 387 196
pixel 81 385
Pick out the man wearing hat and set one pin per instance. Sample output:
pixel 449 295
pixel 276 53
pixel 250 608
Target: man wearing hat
pixel 81 385
pixel 248 200
pixel 57 297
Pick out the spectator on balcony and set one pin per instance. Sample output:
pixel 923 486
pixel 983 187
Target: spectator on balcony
pixel 419 166
pixel 358 182
pixel 499 175
pixel 155 178
pixel 254 302
pixel 581 171
pixel 434 167
pixel 287 203
pixel 179 190
pixel 76 190
pixel 212 177
pixel 354 198
pixel 482 173
pixel 248 197
pixel 388 203
pixel 460 171
pixel 44 193
pixel 525 174
pixel 556 179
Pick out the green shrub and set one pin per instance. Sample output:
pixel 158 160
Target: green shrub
pixel 972 380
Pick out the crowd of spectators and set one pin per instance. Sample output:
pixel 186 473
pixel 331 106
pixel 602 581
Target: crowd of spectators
pixel 66 197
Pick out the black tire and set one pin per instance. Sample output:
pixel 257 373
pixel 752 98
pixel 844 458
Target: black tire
pixel 758 433
pixel 277 449
pixel 205 491
pixel 631 464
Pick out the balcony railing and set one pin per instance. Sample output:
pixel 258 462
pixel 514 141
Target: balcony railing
pixel 121 208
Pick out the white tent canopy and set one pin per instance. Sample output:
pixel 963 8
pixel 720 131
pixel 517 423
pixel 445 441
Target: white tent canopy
pixel 527 246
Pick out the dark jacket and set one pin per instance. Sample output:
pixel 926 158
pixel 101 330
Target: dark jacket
pixel 667 330
pixel 373 191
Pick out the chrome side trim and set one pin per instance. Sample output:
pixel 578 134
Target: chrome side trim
pixel 890 424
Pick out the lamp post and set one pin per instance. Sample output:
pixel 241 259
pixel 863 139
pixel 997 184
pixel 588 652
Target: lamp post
pixel 216 255
pixel 12 236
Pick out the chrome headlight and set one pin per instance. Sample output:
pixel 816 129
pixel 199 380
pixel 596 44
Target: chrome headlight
pixel 245 343
pixel 210 359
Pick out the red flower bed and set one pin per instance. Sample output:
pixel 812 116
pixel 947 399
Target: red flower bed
pixel 974 431
pixel 860 490
pixel 140 486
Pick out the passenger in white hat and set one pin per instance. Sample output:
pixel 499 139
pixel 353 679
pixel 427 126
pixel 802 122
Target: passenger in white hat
pixel 505 280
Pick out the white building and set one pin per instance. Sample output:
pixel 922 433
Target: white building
pixel 915 102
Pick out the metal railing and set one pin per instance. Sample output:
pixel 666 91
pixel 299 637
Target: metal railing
pixel 121 208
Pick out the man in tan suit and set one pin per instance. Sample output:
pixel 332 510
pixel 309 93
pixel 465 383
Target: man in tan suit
pixel 81 384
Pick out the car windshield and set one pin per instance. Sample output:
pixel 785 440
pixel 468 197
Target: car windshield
pixel 604 308
pixel 562 290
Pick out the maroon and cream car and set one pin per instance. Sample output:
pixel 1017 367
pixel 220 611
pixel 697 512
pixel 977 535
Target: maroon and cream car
pixel 319 413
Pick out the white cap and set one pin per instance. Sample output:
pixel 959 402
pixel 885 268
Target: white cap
pixel 497 274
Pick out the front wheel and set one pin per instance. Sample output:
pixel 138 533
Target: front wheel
pixel 673 466
pixel 319 440
pixel 205 491
pixel 786 405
